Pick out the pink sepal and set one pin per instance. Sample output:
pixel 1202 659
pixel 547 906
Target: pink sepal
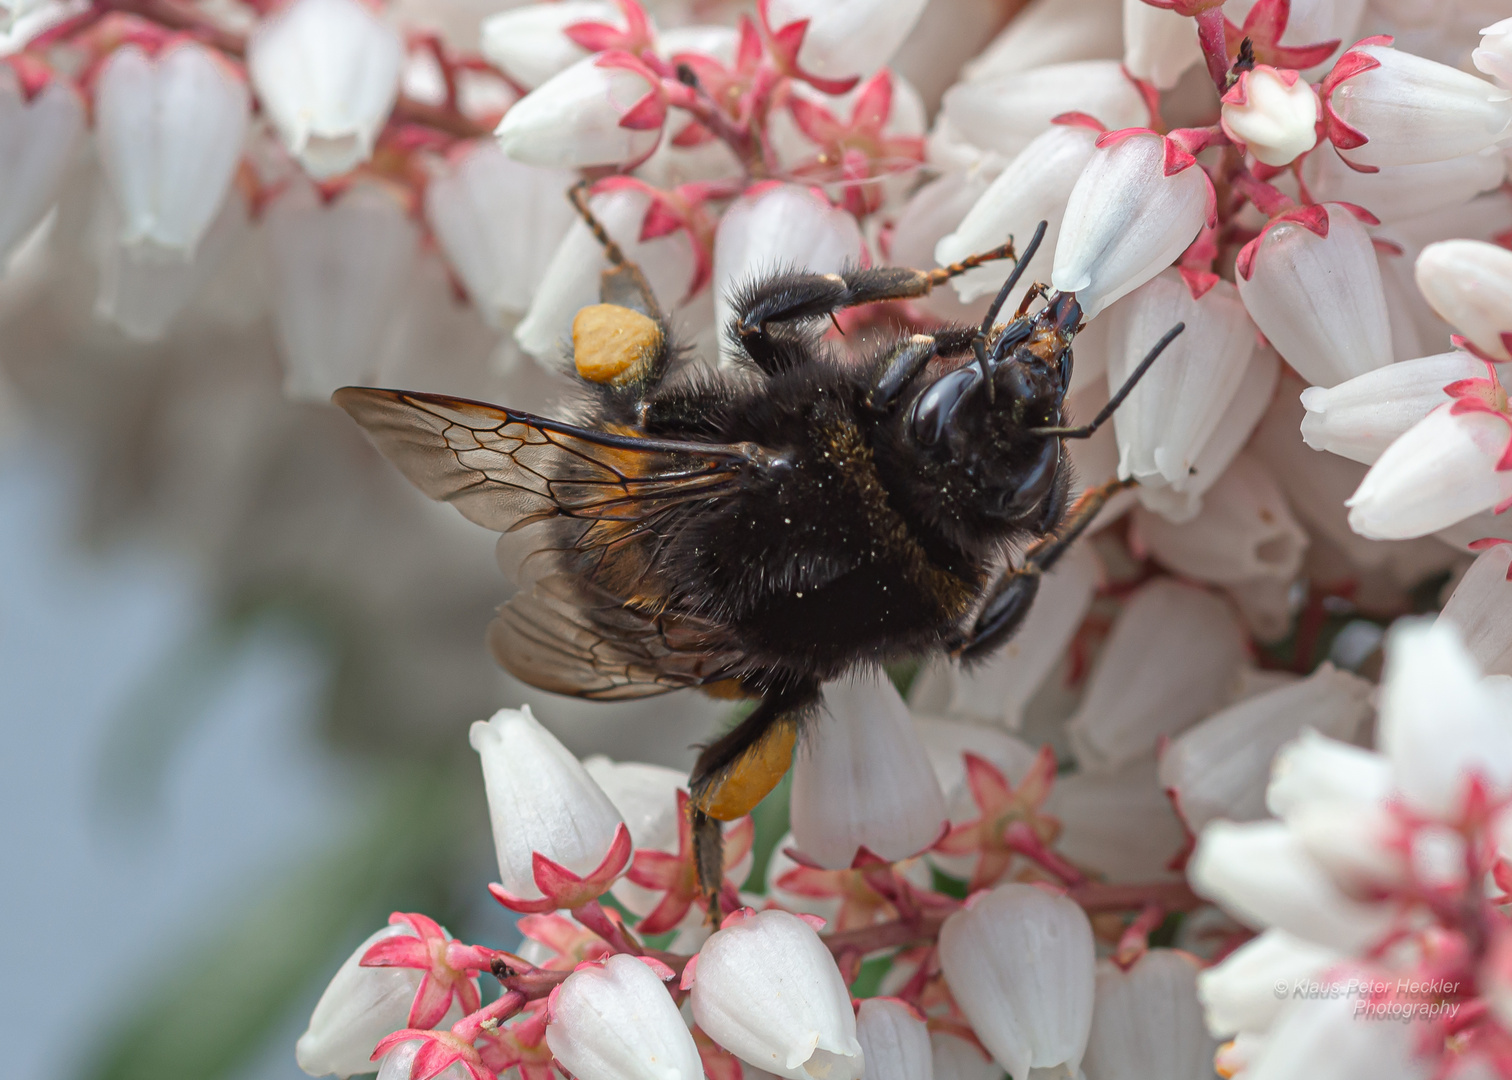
pixel 813 920
pixel 786 42
pixel 448 966
pixel 600 37
pixel 1079 119
pixel 33 75
pixel 1312 218
pixel 1387 247
pixel 689 973
pixel 1459 341
pixel 1343 135
pixel 1265 25
pixel 1364 216
pixel 736 917
pixel 659 969
pixel 650 111
pixel 1484 396
pixel 564 889
pixel 1198 282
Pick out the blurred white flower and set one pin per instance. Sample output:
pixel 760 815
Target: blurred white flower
pixel 614 1020
pixel 1004 113
pixel 1159 45
pixel 1494 54
pixel 38 133
pixel 1238 993
pixel 842 39
pixel 1146 1021
pixel 606 109
pixel 1328 1039
pixel 528 44
pixel 1481 608
pixel 894 1040
pixel 327 74
pixel 1395 192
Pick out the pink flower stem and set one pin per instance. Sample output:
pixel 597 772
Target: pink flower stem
pixel 1214 47
pixel 1022 839
pixel 593 916
pixel 1269 200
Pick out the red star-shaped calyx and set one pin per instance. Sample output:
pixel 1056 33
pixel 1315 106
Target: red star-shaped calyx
pixel 1011 822
pixel 635 38
pixel 1484 396
pixel 561 888
pixel 521 1045
pixel 449 966
pixel 443 1049
pixel 1264 26
pixel 729 88
pixel 685 208
pixel 858 149
pixel 677 875
pixel 785 42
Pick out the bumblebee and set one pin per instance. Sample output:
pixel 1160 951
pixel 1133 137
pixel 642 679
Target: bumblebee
pixel 762 530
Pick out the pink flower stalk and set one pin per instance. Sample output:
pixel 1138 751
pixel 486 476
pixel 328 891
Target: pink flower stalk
pixel 449 966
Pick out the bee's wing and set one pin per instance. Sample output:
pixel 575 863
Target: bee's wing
pixel 586 624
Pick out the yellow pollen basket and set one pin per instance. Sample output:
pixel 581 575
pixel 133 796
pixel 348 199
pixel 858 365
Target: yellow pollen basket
pixel 752 776
pixel 613 344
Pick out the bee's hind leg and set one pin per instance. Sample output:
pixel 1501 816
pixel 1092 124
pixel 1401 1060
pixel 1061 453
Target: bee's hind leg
pixel 623 284
pixel 737 771
pixel 1015 591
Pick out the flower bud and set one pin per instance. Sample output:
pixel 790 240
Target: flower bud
pixel 540 800
pixel 1220 767
pixel 1387 107
pixel 1033 188
pixel 843 41
pixel 1172 657
pixel 169 130
pixel 615 1020
pixel 1312 285
pixel 1177 406
pixel 1019 962
pixel 1238 993
pixel 894 1040
pixel 1397 192
pixel 863 779
pixel 38 132
pixel 1147 1023
pixel 1443 469
pixel 339 271
pixel 326 73
pixel 1159 45
pixel 1469 283
pixel 1260 872
pixel 1481 607
pixel 1494 55
pixel 1006 112
pixel 499 223
pixel 1441 723
pixel 358 1008
pixel 529 44
pixel 1272 112
pixel 766 989
pixel 1136 206
pixel 1244 533
pixel 778 226
pixel 1360 418
pixel 606 109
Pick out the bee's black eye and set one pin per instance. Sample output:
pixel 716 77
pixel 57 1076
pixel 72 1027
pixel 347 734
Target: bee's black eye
pixel 934 407
pixel 1035 482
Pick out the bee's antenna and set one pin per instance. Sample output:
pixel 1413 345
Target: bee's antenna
pixel 1086 430
pixel 979 343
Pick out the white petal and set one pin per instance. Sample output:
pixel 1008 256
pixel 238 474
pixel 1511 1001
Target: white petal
pixel 895 1041
pixel 1494 56
pixel 540 799
pixel 527 43
pixel 398 1063
pixel 847 37
pixel 358 1008
pixel 37 138
pixel 1404 191
pixel 1159 45
pixel 646 798
pixel 1319 300
pixel 862 778
pixel 1327 1040
pixel 1019 963
pixel 572 120
pixel 618 1022
pixel 1469 283
pixel 1220 767
pixel 1481 607
pixel 1119 824
pixel 954 1058
pixel 1316 769
pixel 1147 1022
pixel 1277 122
pixel 767 990
pixel 1239 993
pixel 1172 657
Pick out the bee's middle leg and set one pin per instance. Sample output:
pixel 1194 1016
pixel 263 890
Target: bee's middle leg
pixel 737 771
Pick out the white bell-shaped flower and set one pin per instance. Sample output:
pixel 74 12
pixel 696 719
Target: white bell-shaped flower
pixel 949 741
pixel 1361 417
pixel 1159 45
pixel 528 44
pixel 1469 283
pixel 1314 769
pixel 1033 188
pixel 1441 722
pixel 1019 962
pixel 1147 1022
pixel 540 799
pixel 1443 469
pixel 1220 767
pixel 1120 823
pixel 1481 607
pixel 1244 533
pixel 1262 874
pixel 327 74
pixel 1136 206
pixel 38 132
pixel 605 109
pixel 339 270
pixel 1049 32
pixel 1329 1040
pixel 863 780
pixel 1272 112
pixel 1398 192
pixel 1494 54
pixel 499 223
pixel 1177 406
pixel 1239 993
pixel 1313 287
pixel 894 1040
pixel 169 130
pixel 399 1064
pixel 571 280
pixel 766 989
pixel 1172 657
pixel 1006 112
pixel 999 687
pixel 952 1057
pixel 358 1008
pixel 616 1021
pixel 1389 107
pixel 842 39
pixel 777 227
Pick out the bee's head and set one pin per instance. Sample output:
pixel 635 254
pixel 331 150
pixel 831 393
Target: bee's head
pixel 984 420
